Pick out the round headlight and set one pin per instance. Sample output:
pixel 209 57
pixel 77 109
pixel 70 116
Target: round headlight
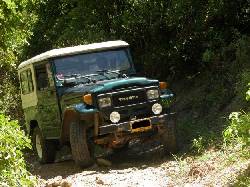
pixel 115 117
pixel 157 108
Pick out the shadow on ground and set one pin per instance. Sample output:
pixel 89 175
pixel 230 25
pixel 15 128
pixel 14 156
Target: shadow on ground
pixel 137 155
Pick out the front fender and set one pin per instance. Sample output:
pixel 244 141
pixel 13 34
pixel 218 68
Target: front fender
pixel 167 98
pixel 81 108
pixel 76 112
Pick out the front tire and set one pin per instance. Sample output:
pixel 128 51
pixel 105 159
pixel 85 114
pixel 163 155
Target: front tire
pixel 45 149
pixel 123 148
pixel 79 145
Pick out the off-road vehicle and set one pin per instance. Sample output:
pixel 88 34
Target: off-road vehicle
pixel 89 96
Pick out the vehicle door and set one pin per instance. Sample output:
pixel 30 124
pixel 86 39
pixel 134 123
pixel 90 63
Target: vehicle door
pixel 48 108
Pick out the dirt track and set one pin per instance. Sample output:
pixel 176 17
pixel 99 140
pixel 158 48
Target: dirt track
pixel 140 165
pixel 113 176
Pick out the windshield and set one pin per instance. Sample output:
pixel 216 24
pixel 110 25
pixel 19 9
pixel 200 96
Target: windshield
pixel 92 63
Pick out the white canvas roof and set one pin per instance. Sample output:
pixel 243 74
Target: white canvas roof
pixel 74 50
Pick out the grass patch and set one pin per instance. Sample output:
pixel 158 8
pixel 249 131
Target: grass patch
pixel 243 180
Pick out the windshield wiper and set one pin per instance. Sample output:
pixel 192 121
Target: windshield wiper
pixel 118 72
pixel 75 79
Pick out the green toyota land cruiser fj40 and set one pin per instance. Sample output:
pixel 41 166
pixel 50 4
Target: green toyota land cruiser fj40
pixel 89 96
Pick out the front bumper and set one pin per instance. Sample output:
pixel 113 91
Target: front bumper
pixel 126 126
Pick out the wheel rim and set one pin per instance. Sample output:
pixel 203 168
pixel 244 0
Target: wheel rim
pixel 38 146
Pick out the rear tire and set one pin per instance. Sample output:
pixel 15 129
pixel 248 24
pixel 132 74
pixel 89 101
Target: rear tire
pixel 79 145
pixel 168 137
pixel 45 149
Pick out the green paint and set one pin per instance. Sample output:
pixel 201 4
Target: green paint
pixel 167 98
pixel 47 105
pixel 141 81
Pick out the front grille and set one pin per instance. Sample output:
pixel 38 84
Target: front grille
pixel 132 112
pixel 129 113
pixel 129 97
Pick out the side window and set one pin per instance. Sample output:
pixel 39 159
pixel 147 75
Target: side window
pixel 50 75
pixel 26 82
pixel 41 77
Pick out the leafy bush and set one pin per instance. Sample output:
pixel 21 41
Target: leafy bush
pixel 12 164
pixel 237 135
pixel 10 99
pixel 198 144
pixel 243 80
pixel 239 129
pixel 248 93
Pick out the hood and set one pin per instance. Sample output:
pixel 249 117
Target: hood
pixel 108 85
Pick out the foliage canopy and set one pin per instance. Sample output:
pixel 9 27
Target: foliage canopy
pixel 181 37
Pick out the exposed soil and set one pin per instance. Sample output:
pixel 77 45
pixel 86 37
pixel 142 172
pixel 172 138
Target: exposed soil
pixel 140 165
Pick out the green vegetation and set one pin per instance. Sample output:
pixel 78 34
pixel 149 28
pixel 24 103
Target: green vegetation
pixel 15 26
pixel 183 37
pixel 237 139
pixel 203 47
pixel 238 130
pixel 12 165
pixel 243 180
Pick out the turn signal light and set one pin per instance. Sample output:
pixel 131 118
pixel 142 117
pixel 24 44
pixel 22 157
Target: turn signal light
pixel 163 85
pixel 87 99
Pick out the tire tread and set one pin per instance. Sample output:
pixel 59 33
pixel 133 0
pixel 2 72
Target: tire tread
pixel 79 145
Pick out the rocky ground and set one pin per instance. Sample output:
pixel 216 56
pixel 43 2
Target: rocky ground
pixel 143 166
